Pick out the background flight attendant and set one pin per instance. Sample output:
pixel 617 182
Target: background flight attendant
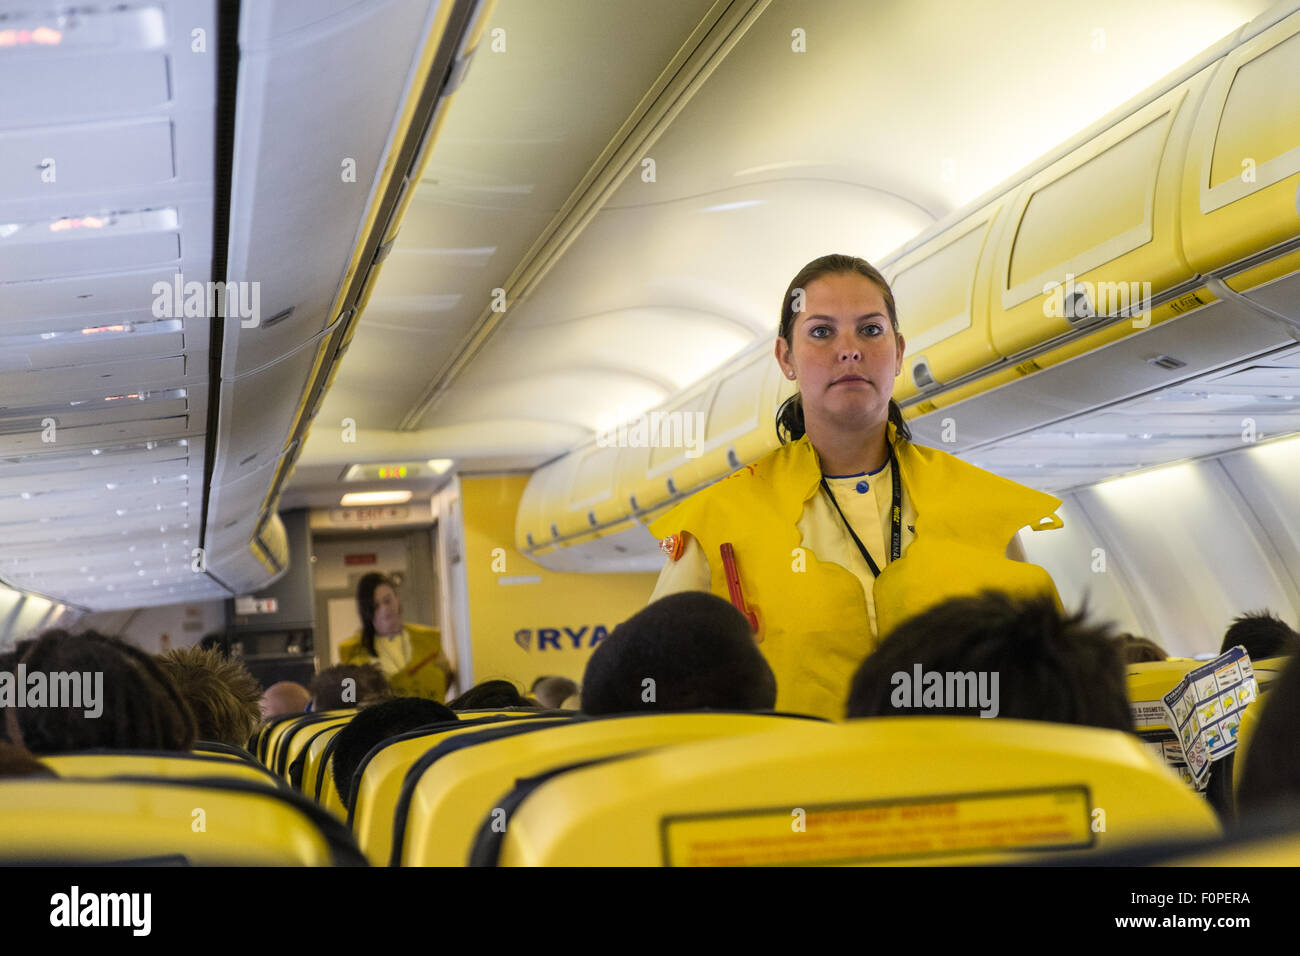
pixel 410 655
pixel 848 528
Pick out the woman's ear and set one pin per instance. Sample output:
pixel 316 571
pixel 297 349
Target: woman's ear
pixel 782 353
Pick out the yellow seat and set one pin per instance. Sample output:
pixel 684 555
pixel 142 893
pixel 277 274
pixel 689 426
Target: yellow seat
pixel 268 733
pixel 316 753
pixel 895 790
pixel 1266 671
pixel 213 748
pixel 98 764
pixel 329 795
pixel 455 785
pixel 205 823
pixel 294 744
pixel 378 779
pixel 291 736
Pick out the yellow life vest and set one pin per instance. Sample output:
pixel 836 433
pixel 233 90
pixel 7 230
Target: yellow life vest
pixel 421 677
pixel 813 624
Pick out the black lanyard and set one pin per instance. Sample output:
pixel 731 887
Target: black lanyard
pixel 895 517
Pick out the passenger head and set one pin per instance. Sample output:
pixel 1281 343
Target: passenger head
pixel 687 651
pixel 552 692
pixel 378 607
pixel 491 694
pixel 368 728
pixel 1016 657
pixel 98 692
pixel 221 693
pixel 1138 650
pixel 1262 635
pixel 1270 777
pixel 284 697
pixel 16 761
pixel 838 319
pixel 348 685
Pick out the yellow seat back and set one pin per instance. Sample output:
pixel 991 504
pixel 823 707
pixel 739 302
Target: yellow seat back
pixel 378 783
pixel 201 822
pixel 296 741
pixel 455 785
pixel 97 764
pixel 1266 671
pixel 293 735
pixel 269 732
pixel 313 770
pixel 329 794
pixel 214 748
pixel 894 790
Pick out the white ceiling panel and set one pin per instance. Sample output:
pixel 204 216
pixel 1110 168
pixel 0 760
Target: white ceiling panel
pixel 106 196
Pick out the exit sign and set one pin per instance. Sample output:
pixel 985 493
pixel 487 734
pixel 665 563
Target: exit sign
pixel 360 559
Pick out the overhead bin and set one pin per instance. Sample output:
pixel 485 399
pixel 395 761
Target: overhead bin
pixel 942 297
pixel 316 143
pixel 631 474
pixel 1241 191
pixel 1095 234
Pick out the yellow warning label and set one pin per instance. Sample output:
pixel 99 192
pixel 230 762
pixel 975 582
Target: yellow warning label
pixel 950 826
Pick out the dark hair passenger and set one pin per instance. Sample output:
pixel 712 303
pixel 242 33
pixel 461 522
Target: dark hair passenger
pixel 686 651
pixel 996 656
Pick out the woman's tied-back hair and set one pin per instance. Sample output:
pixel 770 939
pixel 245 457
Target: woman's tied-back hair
pixel 366 588
pixel 221 693
pixel 789 417
pixel 142 709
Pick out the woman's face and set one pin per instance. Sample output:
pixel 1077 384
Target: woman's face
pixel 843 353
pixel 388 611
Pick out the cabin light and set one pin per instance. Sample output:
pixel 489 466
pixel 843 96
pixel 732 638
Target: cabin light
pixel 94 451
pixel 375 498
pixel 728 206
pixel 84 222
pixel 26 496
pixel 41 36
pixel 440 466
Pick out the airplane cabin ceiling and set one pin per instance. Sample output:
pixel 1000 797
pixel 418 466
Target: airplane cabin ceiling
pixel 897 114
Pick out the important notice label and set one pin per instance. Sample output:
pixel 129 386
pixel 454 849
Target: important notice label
pixel 960 825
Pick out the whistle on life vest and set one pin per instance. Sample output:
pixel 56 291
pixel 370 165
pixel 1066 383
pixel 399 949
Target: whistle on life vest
pixel 733 588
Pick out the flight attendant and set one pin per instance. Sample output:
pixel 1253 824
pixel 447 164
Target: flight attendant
pixel 410 655
pixel 848 528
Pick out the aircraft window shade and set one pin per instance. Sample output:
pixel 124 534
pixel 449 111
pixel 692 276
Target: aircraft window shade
pixel 934 295
pixel 1092 214
pixel 1261 119
pixel 132 818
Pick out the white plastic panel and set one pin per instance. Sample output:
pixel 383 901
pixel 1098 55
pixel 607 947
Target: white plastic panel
pixel 1183 541
pixel 302 178
pixel 113 82
pixel 130 154
pixel 257 412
